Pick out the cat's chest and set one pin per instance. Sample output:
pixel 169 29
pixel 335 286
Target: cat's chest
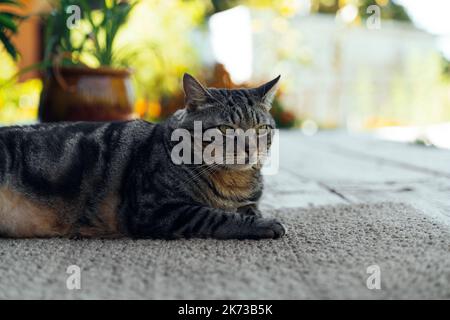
pixel 231 190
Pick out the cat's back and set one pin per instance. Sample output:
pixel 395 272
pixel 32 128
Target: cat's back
pixel 61 130
pixel 63 136
pixel 67 146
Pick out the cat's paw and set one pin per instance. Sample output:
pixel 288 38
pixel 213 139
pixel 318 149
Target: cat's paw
pixel 268 229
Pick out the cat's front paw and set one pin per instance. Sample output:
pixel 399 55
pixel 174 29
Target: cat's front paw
pixel 268 229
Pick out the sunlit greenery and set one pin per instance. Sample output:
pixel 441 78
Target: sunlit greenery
pixel 8 25
pixel 92 38
pixel 160 34
pixel 18 101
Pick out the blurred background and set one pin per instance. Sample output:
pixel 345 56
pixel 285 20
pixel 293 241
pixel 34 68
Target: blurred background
pixel 377 66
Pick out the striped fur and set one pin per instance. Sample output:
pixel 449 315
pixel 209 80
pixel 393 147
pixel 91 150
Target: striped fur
pixel 117 179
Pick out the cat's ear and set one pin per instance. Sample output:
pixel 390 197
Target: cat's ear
pixel 266 92
pixel 194 93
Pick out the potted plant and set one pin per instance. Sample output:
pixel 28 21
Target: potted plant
pixel 8 25
pixel 72 90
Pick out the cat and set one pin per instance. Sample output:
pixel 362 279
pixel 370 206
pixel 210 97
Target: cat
pixel 117 179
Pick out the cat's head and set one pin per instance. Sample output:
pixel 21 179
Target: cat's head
pixel 225 111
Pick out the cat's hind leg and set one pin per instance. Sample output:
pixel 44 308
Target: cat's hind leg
pixel 22 217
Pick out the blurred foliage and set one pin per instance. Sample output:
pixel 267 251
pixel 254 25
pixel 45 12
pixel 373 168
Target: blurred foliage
pixel 283 118
pixel 91 40
pixel 18 101
pixel 283 7
pixel 446 68
pixel 165 47
pixel 389 9
pixel 9 25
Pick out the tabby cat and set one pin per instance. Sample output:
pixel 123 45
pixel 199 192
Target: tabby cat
pixel 117 179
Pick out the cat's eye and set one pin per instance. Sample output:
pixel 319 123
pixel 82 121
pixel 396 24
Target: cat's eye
pixel 263 130
pixel 223 129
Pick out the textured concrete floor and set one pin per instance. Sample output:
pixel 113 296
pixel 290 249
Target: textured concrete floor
pixel 325 254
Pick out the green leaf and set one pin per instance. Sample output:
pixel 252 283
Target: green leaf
pixel 7 22
pixel 98 41
pixel 12 2
pixel 13 15
pixel 8 46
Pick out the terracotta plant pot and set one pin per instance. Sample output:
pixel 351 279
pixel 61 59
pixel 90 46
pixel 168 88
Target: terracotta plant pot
pixel 83 94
